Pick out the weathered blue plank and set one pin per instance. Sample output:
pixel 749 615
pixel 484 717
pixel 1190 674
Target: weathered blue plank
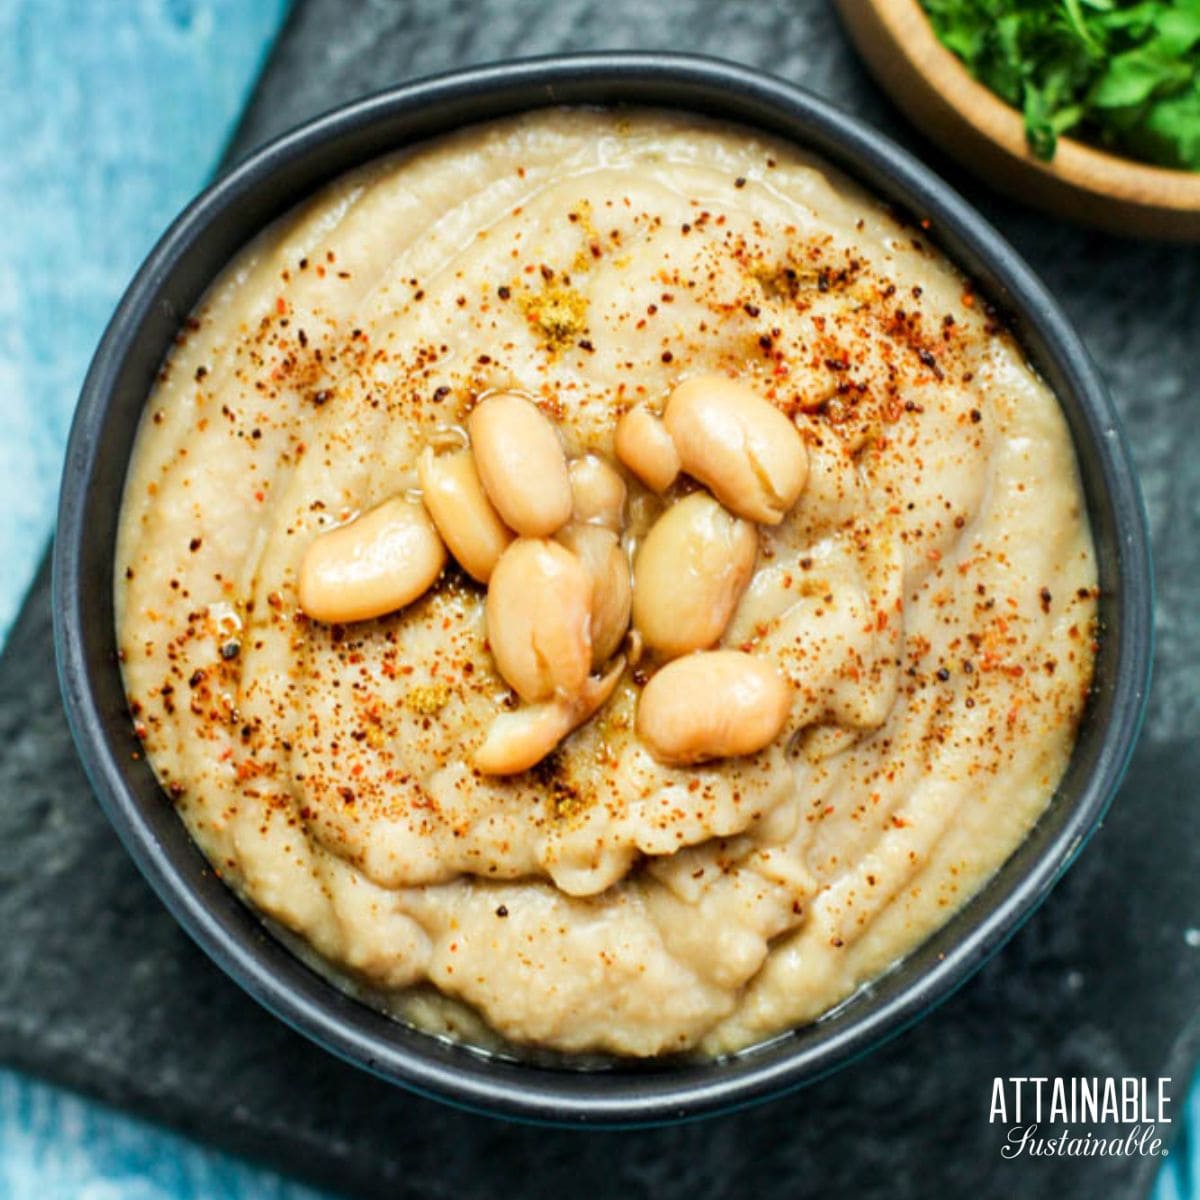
pixel 112 112
pixel 1179 1178
pixel 55 1146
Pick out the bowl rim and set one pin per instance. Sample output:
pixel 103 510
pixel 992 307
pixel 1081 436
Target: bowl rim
pixel 632 1095
pixel 1165 200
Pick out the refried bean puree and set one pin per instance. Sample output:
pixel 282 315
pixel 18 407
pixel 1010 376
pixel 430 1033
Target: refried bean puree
pixel 931 596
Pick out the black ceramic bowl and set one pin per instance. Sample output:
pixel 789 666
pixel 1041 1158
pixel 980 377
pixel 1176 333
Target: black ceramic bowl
pixel 172 279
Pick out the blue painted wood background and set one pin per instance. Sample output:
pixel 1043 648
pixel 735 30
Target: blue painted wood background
pixel 112 113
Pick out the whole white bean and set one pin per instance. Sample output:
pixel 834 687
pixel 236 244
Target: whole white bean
pixel 464 516
pixel 712 704
pixel 690 573
pixel 375 564
pixel 647 449
pixel 738 445
pixel 598 493
pixel 521 463
pixel 600 550
pixel 516 741
pixel 539 612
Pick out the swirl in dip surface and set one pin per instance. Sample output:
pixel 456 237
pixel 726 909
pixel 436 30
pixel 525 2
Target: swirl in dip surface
pixel 930 597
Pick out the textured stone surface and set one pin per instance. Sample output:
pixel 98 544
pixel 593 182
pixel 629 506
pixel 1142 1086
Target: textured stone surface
pixel 99 989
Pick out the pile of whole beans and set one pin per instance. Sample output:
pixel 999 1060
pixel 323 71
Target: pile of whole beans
pixel 544 535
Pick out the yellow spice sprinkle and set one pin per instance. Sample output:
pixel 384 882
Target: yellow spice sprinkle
pixel 427 698
pixel 558 313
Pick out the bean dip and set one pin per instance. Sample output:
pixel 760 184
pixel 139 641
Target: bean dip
pixel 435 691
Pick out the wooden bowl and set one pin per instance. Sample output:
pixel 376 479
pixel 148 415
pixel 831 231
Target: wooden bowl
pixel 974 125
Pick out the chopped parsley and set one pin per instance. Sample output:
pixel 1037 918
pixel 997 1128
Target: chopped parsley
pixel 1122 74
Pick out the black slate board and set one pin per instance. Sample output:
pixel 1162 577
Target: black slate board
pixel 100 990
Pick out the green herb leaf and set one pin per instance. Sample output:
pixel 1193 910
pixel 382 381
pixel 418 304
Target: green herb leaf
pixel 1122 73
pixel 1134 77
